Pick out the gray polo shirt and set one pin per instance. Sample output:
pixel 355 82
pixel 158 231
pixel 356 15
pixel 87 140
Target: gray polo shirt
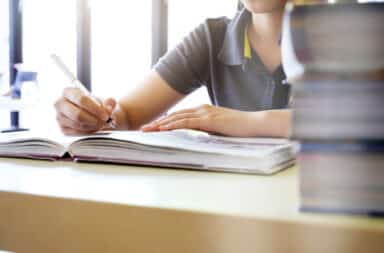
pixel 213 55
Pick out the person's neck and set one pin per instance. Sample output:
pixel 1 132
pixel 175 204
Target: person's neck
pixel 266 27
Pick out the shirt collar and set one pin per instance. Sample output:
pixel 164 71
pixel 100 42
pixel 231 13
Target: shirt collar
pixel 247 45
pixel 235 43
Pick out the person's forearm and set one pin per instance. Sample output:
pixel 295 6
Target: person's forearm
pixel 272 123
pixel 149 100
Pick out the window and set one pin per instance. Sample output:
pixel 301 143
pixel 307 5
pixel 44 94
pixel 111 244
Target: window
pixel 184 16
pixel 4 58
pixel 49 26
pixel 121 49
pixel 4 44
pixel 121 45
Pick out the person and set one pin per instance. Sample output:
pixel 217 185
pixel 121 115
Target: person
pixel 238 60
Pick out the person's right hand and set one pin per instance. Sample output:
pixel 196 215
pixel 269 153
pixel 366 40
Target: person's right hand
pixel 78 113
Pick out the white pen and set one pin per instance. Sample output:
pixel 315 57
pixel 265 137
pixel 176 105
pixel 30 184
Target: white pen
pixel 75 82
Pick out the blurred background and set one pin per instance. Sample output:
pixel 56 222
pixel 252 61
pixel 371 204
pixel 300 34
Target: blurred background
pixel 111 45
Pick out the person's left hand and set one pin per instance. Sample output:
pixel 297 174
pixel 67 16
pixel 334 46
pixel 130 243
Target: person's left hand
pixel 206 118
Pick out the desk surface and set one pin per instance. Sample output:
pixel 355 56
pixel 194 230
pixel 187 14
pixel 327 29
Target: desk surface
pixel 247 199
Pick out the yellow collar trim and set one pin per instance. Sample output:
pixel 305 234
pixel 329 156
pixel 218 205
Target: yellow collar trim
pixel 247 46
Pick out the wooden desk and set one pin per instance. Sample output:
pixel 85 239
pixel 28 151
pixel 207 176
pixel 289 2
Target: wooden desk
pixel 69 207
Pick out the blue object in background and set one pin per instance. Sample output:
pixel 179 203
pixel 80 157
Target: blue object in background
pixel 15 93
pixel 15 49
pixel 21 77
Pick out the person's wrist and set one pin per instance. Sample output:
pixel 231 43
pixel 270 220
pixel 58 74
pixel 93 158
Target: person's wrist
pixel 120 118
pixel 270 123
pixel 277 122
pixel 253 123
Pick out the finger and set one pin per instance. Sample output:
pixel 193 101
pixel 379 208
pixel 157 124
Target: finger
pixel 191 123
pixel 183 114
pixel 75 113
pixel 201 111
pixel 176 117
pixel 68 123
pixel 86 102
pixel 172 115
pixel 74 132
pixel 152 127
pixel 149 129
pixel 110 105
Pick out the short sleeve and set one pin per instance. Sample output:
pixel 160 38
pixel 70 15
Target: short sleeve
pixel 185 67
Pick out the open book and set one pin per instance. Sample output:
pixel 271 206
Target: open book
pixel 181 149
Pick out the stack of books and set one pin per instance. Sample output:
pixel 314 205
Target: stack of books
pixel 338 105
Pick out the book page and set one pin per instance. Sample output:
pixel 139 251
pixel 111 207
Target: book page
pixel 24 136
pixel 201 142
pixel 35 143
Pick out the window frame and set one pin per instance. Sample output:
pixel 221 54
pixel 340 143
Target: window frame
pixel 15 49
